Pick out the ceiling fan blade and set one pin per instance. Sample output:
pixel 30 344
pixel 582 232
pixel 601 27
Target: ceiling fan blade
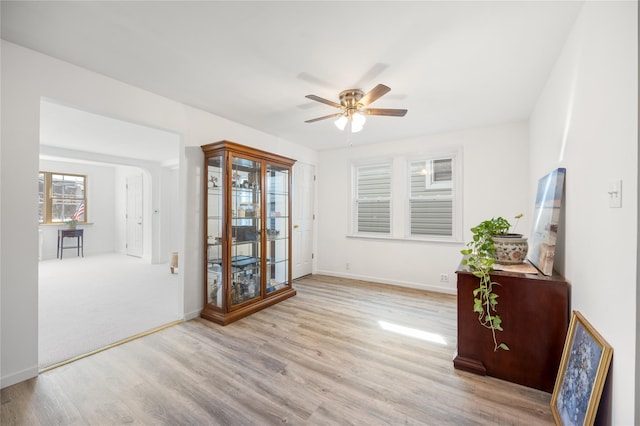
pixel 385 111
pixel 374 94
pixel 323 100
pixel 313 120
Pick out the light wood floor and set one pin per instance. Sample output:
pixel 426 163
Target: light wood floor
pixel 319 358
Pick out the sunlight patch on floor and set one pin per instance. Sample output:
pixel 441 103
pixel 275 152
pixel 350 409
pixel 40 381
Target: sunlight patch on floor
pixel 413 332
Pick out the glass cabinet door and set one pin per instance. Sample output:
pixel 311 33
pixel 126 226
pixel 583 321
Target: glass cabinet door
pixel 277 224
pixel 215 230
pixel 245 231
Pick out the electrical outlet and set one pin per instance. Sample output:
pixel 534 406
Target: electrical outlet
pixel 348 265
pixel 444 278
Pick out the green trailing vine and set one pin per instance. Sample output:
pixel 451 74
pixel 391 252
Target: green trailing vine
pixel 479 258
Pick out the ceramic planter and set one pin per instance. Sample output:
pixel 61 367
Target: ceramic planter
pixel 511 249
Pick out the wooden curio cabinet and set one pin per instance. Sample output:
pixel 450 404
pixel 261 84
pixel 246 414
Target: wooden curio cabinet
pixel 247 230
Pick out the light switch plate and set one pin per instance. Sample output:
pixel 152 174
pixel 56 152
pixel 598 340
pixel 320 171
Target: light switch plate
pixel 615 194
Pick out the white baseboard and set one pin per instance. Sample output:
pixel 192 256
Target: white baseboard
pixel 18 377
pixel 191 315
pixel 408 284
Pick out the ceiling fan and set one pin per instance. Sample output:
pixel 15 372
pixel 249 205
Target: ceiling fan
pixel 352 107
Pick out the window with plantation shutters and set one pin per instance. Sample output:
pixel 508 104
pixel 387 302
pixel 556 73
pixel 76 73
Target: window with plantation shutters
pixel 431 209
pixel 409 196
pixel 373 198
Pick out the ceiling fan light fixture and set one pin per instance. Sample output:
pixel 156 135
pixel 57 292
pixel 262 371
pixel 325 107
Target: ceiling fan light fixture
pixel 357 122
pixel 353 107
pixel 341 122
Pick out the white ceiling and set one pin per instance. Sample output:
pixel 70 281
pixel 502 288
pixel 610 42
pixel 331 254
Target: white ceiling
pixel 72 129
pixel 452 64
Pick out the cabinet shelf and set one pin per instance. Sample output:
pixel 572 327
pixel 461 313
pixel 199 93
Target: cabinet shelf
pixel 241 189
pixel 249 269
pixel 243 243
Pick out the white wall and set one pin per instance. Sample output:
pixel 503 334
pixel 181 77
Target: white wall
pixel 586 120
pixel 495 183
pixel 170 213
pixel 26 77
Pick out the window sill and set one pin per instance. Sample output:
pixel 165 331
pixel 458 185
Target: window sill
pixel 62 224
pixel 445 240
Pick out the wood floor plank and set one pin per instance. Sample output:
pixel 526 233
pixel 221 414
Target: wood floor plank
pixel 335 354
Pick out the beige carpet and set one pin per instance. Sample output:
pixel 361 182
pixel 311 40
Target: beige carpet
pixel 91 302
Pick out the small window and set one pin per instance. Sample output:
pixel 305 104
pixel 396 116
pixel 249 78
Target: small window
pixel 61 197
pixel 437 173
pixel 373 198
pixel 431 208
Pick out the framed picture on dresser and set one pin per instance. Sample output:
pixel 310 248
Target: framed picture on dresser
pixel 548 207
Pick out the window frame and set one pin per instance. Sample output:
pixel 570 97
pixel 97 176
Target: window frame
pixel 451 185
pixel 48 197
pixel 400 213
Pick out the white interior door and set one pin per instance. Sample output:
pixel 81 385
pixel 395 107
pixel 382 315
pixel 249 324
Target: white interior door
pixel 303 216
pixel 134 216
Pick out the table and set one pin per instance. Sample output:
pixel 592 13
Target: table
pixel 78 234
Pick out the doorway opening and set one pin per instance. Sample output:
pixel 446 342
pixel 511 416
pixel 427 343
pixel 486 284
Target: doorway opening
pixel 303 219
pixel 123 285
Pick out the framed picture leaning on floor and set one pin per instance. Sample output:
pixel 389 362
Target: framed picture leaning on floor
pixel 581 375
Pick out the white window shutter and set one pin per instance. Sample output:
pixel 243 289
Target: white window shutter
pixel 431 197
pixel 373 199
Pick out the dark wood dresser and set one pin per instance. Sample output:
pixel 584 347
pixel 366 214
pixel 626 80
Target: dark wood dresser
pixel 535 313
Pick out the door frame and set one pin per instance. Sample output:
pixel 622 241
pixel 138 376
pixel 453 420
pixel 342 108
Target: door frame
pixel 134 225
pixel 303 219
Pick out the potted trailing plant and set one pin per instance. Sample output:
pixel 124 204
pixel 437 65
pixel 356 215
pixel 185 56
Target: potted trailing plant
pixel 71 224
pixel 510 248
pixel 479 258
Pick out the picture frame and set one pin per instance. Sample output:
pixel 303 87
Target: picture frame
pixel 582 373
pixel 544 233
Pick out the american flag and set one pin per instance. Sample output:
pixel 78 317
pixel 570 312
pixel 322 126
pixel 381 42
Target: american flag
pixel 79 212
